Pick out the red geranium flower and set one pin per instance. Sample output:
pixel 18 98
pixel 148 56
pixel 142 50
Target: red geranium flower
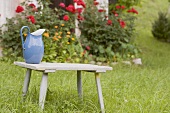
pixel 66 18
pixel 32 5
pixel 122 23
pixel 34 9
pixel 79 17
pixel 75 1
pixel 62 5
pixel 71 8
pixel 80 2
pixel 96 3
pixel 101 10
pixel 118 7
pixel 79 10
pixel 109 22
pixel 19 9
pixel 31 18
pixel 123 7
pixel 132 11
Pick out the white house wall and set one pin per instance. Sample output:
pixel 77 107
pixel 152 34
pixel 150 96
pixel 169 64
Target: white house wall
pixel 7 9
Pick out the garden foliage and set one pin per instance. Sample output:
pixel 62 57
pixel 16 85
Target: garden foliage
pixel 107 38
pixel 103 37
pixel 161 27
pixel 60 42
pixel 127 3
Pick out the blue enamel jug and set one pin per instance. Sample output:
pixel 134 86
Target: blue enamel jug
pixel 33 46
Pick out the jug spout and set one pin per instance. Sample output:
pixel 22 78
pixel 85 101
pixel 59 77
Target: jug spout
pixel 38 32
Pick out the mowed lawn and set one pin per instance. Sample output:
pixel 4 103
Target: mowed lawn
pixel 126 89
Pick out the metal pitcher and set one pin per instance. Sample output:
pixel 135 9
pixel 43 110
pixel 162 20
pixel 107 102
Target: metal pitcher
pixel 33 46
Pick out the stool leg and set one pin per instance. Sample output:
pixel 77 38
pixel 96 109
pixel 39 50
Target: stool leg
pixel 79 84
pixel 43 90
pixel 26 82
pixel 99 90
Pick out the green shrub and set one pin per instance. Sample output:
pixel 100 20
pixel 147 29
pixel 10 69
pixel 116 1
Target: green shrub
pixel 161 27
pixel 61 47
pixel 108 38
pixel 126 3
pixel 101 39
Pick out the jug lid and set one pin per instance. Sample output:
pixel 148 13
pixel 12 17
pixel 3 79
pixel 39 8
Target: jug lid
pixel 38 32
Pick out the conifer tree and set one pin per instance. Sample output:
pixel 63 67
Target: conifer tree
pixel 161 27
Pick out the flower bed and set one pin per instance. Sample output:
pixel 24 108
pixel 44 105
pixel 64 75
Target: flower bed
pixel 104 38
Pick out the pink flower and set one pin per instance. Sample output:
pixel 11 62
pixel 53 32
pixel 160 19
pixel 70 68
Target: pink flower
pixel 115 13
pixel 109 22
pixel 62 5
pixel 34 9
pixel 71 8
pixel 88 47
pixel 19 9
pixel 66 18
pixel 31 18
pixel 90 55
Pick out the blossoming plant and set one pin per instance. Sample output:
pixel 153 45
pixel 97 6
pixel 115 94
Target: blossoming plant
pixel 107 37
pixel 59 39
pixel 102 37
pixel 10 39
pixel 63 39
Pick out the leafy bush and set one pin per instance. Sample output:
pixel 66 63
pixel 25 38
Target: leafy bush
pixel 60 42
pixel 106 38
pixel 102 38
pixel 161 27
pixel 126 3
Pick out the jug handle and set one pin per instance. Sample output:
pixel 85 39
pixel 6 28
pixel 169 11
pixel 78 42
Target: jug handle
pixel 22 39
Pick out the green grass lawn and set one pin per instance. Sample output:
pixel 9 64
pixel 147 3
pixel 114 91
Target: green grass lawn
pixel 126 89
